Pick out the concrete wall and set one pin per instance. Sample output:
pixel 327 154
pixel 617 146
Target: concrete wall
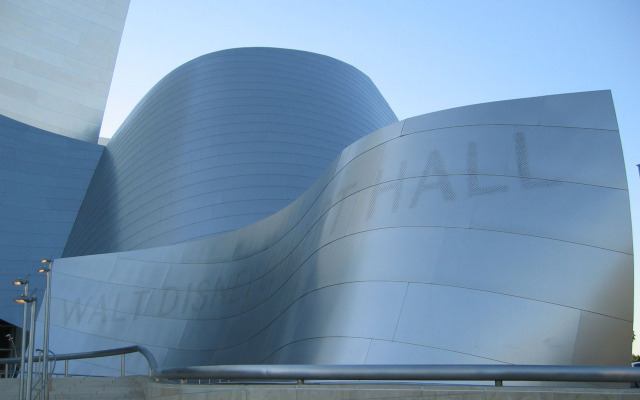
pixel 164 391
pixel 138 387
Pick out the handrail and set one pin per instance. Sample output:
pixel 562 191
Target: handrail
pixel 111 352
pixel 153 365
pixel 40 383
pixel 417 372
pixel 473 372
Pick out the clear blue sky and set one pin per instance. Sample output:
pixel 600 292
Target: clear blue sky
pixel 424 56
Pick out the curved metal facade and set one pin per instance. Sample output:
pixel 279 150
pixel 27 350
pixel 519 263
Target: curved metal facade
pixel 222 142
pixel 494 233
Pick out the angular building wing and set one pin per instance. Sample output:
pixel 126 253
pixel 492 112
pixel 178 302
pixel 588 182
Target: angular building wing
pixel 56 63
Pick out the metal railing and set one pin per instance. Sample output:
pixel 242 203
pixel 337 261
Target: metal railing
pixel 121 351
pixel 39 387
pixel 301 373
pixel 496 373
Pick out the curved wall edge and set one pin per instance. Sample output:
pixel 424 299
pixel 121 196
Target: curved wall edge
pixel 221 142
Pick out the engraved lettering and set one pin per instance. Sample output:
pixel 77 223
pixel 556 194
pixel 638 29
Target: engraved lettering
pixel 472 175
pixel 100 310
pixel 434 176
pixel 395 186
pixel 522 157
pixel 76 308
pixel 170 291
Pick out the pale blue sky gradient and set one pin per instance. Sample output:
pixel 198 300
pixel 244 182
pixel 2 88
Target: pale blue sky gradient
pixel 424 56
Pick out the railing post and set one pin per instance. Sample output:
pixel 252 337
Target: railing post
pixel 32 331
pixel 66 368
pixel 498 383
pixel 122 364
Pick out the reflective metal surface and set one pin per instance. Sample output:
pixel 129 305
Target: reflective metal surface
pixel 241 215
pixel 497 233
pixel 407 372
pixel 57 62
pixel 443 372
pixel 221 142
pixel 43 179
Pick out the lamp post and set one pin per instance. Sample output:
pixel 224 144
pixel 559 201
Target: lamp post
pixel 47 306
pixel 25 283
pixel 24 299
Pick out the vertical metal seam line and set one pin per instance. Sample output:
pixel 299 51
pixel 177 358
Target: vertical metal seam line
pixel 406 290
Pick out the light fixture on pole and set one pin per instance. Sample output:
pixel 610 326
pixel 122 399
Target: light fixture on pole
pixel 24 299
pixel 21 282
pixel 23 343
pixel 46 267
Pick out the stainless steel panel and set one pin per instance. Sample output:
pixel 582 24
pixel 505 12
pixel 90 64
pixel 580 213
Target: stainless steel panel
pixel 550 212
pixel 595 332
pixel 594 110
pixel 488 325
pixel 520 111
pixel 475 236
pixel 392 352
pixel 252 99
pixel 43 178
pixel 63 59
pixel 525 264
pixel 343 350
